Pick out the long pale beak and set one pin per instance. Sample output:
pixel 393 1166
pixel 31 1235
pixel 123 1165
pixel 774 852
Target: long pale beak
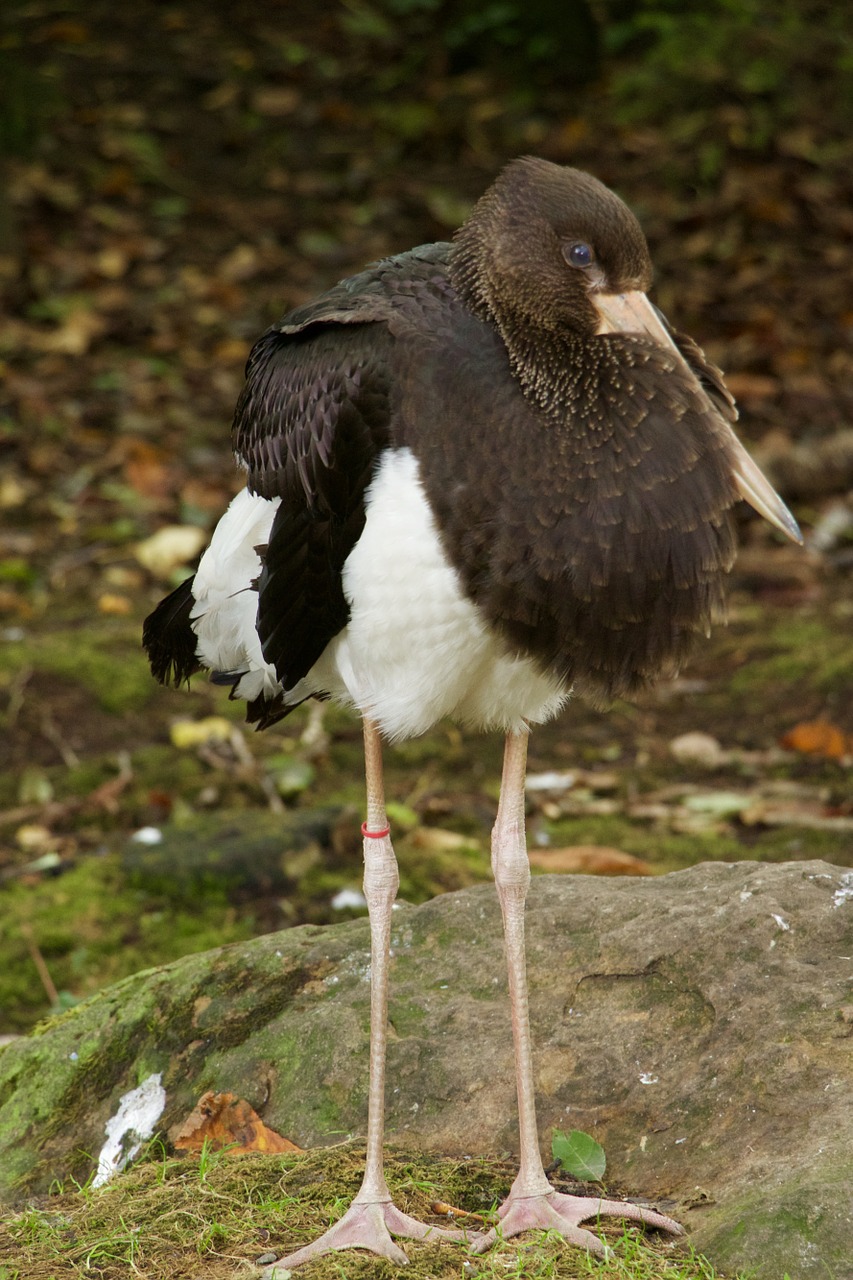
pixel 633 313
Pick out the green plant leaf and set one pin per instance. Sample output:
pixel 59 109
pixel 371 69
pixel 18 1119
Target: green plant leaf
pixel 580 1155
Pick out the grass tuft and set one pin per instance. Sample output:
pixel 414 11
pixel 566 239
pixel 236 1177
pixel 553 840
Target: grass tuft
pixel 212 1219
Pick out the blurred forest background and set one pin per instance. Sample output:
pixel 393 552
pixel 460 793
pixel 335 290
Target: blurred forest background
pixel 175 177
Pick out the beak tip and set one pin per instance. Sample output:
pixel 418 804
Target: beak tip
pixel 791 529
pixel 780 517
pixel 754 487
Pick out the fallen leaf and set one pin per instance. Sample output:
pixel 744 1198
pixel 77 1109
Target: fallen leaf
pixel 224 95
pixel 224 1120
pixel 718 804
pixel 66 31
pixel 579 1154
pixel 76 333
pixel 148 471
pixel 243 262
pixel 170 548
pixel 818 738
pixel 230 351
pixel 592 859
pixel 112 262
pixel 553 780
pixel 13 491
pixel 33 837
pixel 275 100
pixel 811 816
pixel 698 748
pixel 195 733
pixel 115 605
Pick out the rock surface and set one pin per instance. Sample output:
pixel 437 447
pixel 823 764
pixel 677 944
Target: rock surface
pixel 698 1024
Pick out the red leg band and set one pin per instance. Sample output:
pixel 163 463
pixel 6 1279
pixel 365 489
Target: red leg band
pixel 374 835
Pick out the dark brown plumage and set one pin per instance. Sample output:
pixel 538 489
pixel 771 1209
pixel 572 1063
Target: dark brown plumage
pixel 479 475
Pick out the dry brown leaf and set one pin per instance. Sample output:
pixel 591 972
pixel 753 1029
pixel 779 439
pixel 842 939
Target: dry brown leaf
pixel 276 100
pixel 224 1120
pixel 148 469
pixel 76 333
pixel 170 548
pixel 592 859
pixel 231 351
pixel 818 738
pixel 66 31
pixel 111 603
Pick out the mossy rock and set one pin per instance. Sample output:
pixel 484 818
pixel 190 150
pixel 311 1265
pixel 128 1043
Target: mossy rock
pixel 695 1023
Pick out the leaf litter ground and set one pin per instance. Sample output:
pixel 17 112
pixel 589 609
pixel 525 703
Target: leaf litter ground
pixel 204 171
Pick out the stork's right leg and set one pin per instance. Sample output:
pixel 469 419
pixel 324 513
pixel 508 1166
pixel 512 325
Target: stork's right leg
pixel 372 1218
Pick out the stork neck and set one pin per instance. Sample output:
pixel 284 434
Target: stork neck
pixel 552 368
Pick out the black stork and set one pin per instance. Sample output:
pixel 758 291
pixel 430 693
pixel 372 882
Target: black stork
pixel 479 476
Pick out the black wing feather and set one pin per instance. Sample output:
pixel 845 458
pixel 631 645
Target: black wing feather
pixel 710 377
pixel 169 639
pixel 314 414
pixel 312 419
pixel 317 409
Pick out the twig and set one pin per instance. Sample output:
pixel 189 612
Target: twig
pixel 51 731
pixel 450 1211
pixel 16 695
pixel 38 961
pixel 106 795
pixel 103 797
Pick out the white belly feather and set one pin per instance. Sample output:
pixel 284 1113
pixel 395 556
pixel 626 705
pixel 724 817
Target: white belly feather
pixel 415 648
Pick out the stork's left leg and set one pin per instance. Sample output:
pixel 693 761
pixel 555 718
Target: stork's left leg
pixel 372 1218
pixel 532 1201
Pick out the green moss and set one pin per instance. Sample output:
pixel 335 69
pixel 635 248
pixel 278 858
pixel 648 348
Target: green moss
pixel 406 1017
pixel 106 660
pixel 158 763
pixel 93 927
pixel 424 873
pixel 791 651
pixel 784 1235
pixel 784 844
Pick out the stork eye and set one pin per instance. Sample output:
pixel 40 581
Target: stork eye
pixel 578 254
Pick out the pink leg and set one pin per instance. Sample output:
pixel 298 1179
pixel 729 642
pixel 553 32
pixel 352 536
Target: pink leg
pixel 372 1218
pixel 532 1201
